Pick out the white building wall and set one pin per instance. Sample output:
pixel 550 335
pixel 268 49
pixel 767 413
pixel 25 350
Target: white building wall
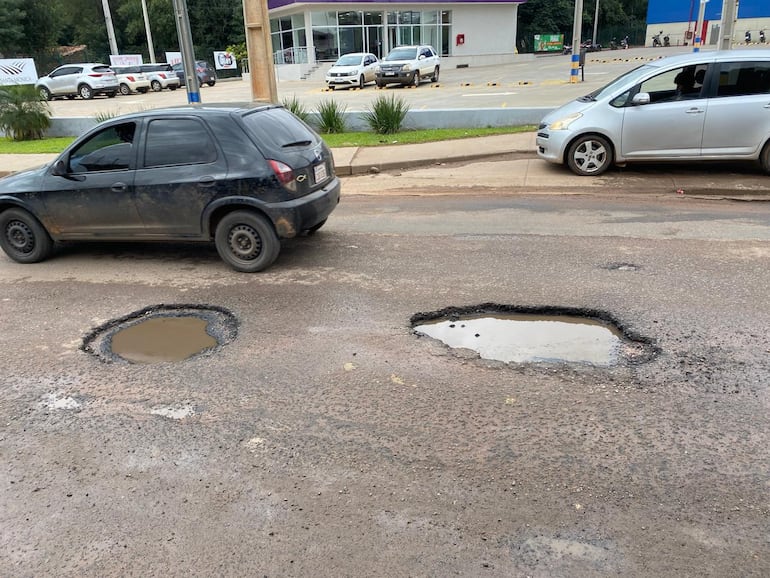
pixel 490 35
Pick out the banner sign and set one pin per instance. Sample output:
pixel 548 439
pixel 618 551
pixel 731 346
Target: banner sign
pixel 173 57
pixel 549 42
pixel 17 71
pixel 125 59
pixel 224 60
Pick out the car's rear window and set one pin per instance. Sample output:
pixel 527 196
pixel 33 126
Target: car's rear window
pixel 278 129
pixel 102 69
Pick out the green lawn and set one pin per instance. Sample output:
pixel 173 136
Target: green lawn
pixel 347 139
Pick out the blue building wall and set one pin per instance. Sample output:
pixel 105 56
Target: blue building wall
pixel 662 11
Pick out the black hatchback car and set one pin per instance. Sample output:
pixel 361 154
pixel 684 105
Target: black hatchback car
pixel 242 177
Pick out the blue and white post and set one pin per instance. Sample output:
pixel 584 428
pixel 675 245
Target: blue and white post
pixel 699 26
pixel 577 26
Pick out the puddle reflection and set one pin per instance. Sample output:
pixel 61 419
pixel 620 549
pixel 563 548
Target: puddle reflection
pixel 161 339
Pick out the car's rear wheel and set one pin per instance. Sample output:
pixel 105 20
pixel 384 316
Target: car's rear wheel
pixel 23 238
pixel 361 82
pixel 434 78
pixel 211 82
pixel 85 92
pixel 44 93
pixel 156 87
pixel 764 158
pixel 589 155
pixel 125 90
pixel 246 241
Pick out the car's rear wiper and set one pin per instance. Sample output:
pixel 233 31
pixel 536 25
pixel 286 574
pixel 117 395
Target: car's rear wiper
pixel 299 143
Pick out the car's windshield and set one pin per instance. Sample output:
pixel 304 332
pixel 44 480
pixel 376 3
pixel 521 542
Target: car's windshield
pixel 348 60
pixel 402 54
pixel 622 80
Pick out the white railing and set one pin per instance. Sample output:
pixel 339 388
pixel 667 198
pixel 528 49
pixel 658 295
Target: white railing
pixel 296 55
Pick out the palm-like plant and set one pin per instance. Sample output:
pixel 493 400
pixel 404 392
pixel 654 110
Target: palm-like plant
pixel 23 115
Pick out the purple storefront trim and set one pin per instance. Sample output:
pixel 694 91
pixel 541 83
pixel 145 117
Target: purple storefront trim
pixel 281 3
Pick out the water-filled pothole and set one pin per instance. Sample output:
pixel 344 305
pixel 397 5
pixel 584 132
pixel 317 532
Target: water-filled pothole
pixel 550 335
pixel 163 333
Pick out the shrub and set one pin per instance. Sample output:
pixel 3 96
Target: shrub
pixel 23 114
pixel 387 114
pixel 296 108
pixel 331 117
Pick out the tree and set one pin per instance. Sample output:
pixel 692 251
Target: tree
pixel 11 26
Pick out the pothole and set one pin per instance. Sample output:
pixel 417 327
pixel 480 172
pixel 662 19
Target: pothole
pixel 162 333
pixel 535 335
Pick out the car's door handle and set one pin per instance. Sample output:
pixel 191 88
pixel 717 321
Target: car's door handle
pixel 119 187
pixel 695 111
pixel 206 182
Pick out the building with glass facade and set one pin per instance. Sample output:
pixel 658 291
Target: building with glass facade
pixel 471 31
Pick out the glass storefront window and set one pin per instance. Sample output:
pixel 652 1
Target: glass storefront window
pixel 298 21
pixel 349 18
pixel 328 18
pixel 372 18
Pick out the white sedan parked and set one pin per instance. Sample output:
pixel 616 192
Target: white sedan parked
pixel 354 69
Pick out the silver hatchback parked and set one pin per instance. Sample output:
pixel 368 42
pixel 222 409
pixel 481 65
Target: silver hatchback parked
pixel 699 106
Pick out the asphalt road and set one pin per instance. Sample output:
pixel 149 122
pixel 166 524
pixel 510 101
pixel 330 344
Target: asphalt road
pixel 329 440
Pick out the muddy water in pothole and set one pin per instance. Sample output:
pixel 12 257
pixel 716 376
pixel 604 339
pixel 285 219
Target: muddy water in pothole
pixel 162 339
pixel 526 338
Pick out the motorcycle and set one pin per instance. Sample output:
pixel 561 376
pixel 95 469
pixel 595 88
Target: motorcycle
pixel 613 44
pixel 624 43
pixel 656 39
pixel 762 36
pixel 666 40
pixel 747 37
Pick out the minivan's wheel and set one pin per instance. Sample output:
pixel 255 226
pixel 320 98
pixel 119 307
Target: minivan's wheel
pixel 124 90
pixel 85 92
pixel 764 158
pixel 156 87
pixel 23 238
pixel 44 93
pixel 361 82
pixel 211 82
pixel 434 78
pixel 589 155
pixel 246 241
pixel 416 79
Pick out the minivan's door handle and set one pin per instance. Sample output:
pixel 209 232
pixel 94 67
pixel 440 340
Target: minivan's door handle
pixel 206 182
pixel 695 110
pixel 119 187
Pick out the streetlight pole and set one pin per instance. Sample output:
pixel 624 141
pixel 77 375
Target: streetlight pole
pixel 595 40
pixel 187 50
pixel 727 25
pixel 150 47
pixel 110 29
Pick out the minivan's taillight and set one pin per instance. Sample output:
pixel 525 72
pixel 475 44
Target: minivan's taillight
pixel 284 174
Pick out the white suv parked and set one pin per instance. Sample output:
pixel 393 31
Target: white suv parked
pixel 408 65
pixel 84 80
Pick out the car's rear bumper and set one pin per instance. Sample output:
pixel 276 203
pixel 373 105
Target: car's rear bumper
pixel 296 215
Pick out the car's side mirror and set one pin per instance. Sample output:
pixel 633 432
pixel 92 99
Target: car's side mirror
pixel 59 168
pixel 422 57
pixel 641 98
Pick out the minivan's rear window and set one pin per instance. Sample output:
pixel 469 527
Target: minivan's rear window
pixel 278 129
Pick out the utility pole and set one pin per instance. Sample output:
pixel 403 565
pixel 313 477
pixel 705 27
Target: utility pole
pixel 150 47
pixel 699 26
pixel 595 40
pixel 260 51
pixel 577 26
pixel 110 29
pixel 729 12
pixel 187 50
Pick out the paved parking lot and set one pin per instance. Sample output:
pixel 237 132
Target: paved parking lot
pixel 541 81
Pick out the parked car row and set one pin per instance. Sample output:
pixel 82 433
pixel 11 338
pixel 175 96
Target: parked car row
pixel 405 65
pixel 88 80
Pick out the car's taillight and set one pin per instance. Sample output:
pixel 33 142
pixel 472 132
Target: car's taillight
pixel 96 74
pixel 284 174
pixel 162 75
pixel 130 78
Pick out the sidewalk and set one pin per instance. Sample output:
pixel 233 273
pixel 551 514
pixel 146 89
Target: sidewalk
pixel 527 172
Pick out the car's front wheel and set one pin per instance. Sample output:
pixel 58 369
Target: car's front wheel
pixel 156 87
pixel 85 92
pixel 764 158
pixel 23 238
pixel 125 90
pixel 589 155
pixel 246 241
pixel 44 93
pixel 361 82
pixel 434 78
pixel 416 79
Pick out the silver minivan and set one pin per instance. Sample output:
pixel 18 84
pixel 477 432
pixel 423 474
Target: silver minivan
pixel 691 107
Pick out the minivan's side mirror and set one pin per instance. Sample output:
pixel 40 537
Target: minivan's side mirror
pixel 641 98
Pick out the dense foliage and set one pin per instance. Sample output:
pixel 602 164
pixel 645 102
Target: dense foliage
pixel 617 18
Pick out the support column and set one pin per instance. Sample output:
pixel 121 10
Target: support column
pixel 260 51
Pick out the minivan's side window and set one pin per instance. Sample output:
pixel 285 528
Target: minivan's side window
pixel 178 141
pixel 743 78
pixel 111 149
pixel 681 83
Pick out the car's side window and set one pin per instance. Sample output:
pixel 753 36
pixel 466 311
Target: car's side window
pixel 178 141
pixel 108 150
pixel 681 83
pixel 66 71
pixel 743 78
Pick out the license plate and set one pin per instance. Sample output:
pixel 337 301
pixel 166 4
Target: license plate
pixel 320 172
pixel 390 74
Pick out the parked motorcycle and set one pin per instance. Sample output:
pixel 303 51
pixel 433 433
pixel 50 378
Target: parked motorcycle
pixel 747 37
pixel 613 44
pixel 666 40
pixel 656 39
pixel 624 43
pixel 762 36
